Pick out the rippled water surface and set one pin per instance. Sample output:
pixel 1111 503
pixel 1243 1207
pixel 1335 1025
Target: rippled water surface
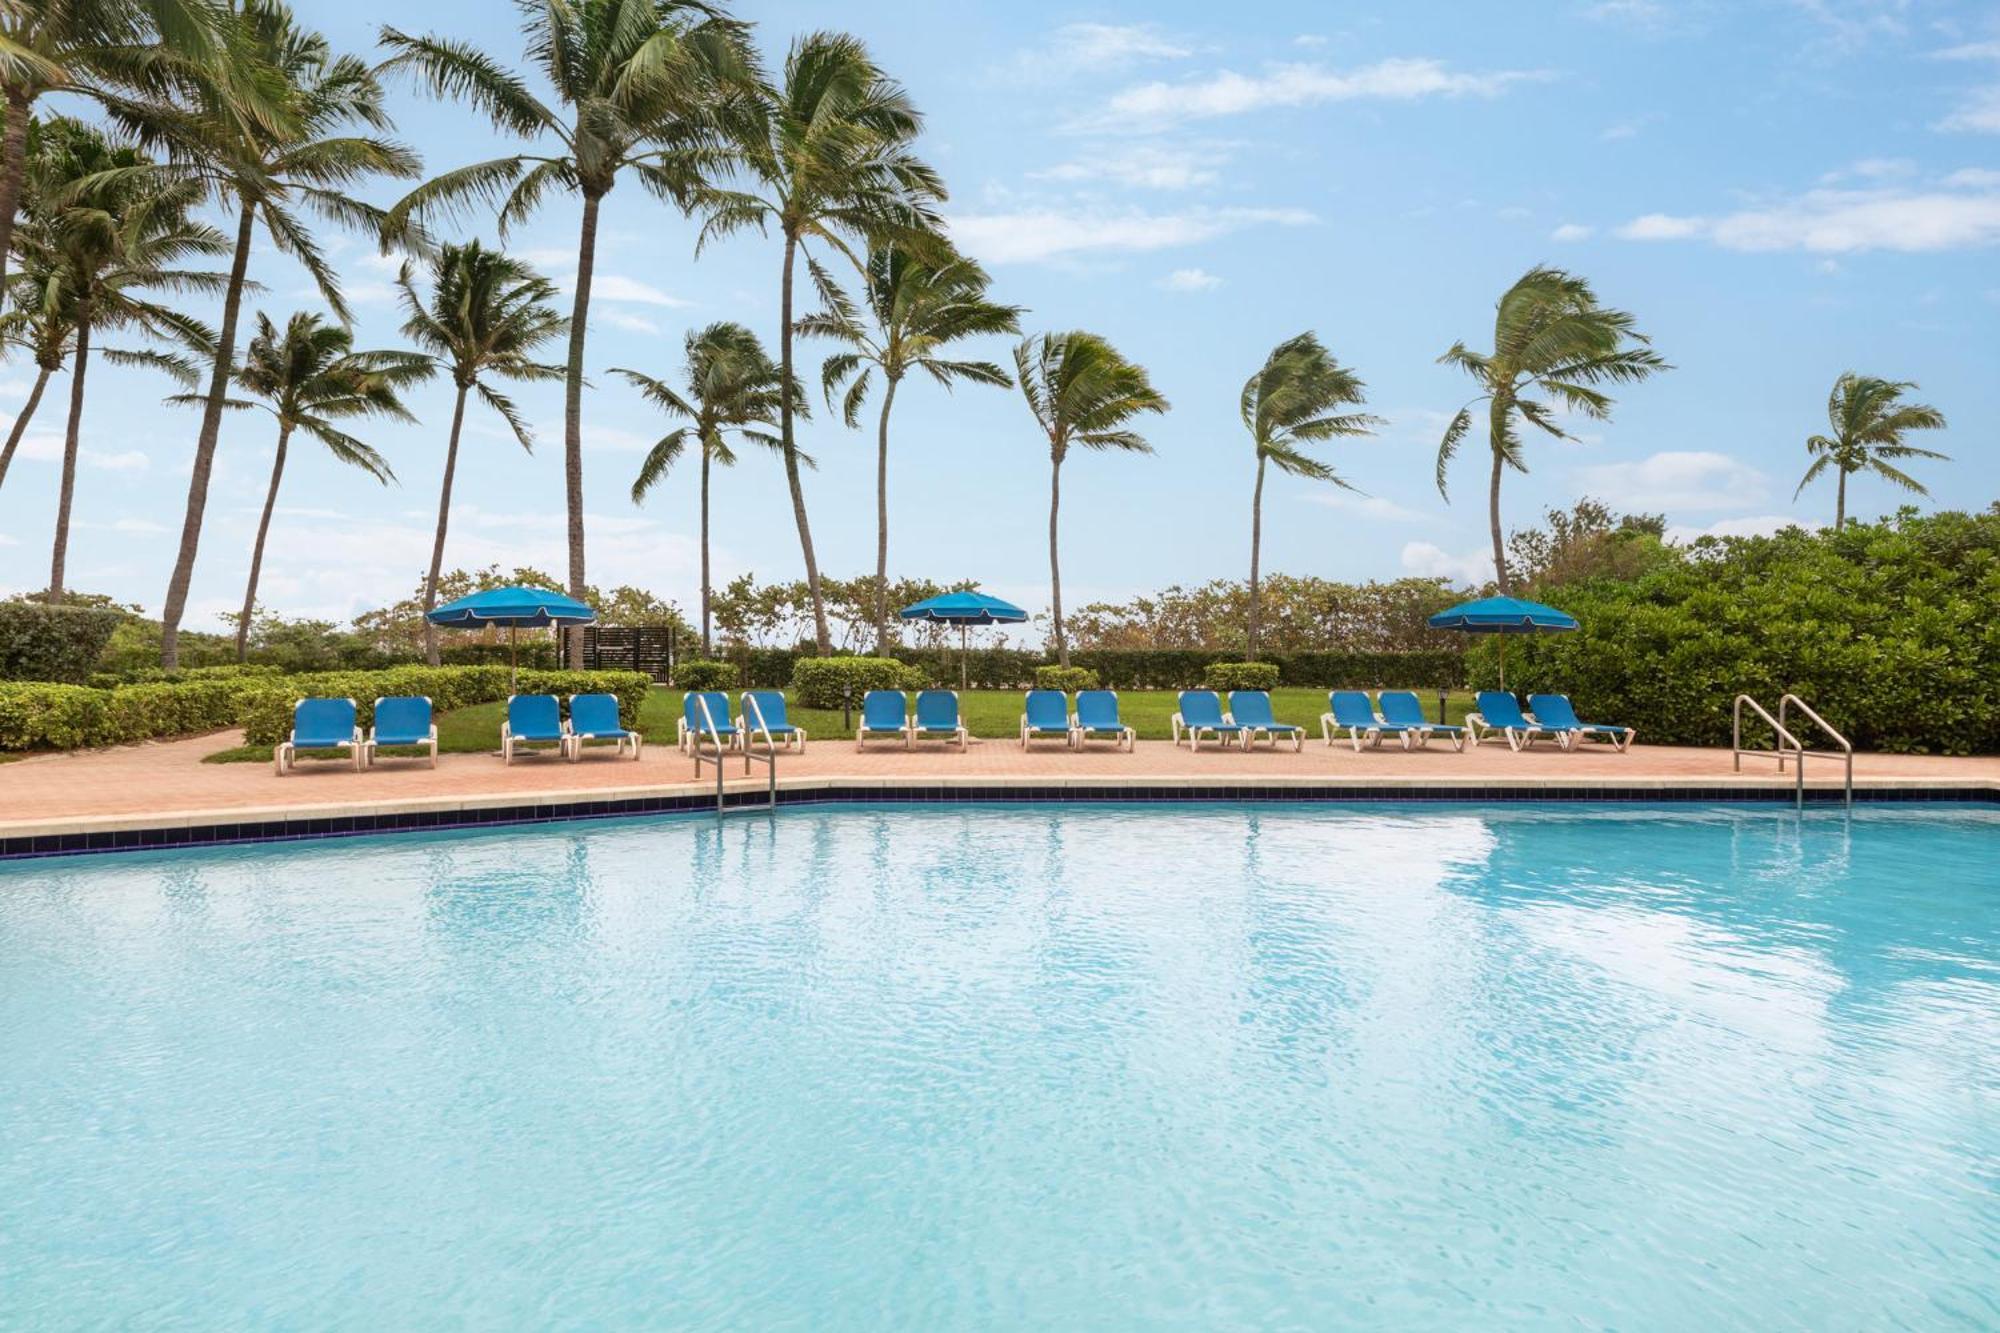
pixel 1015 1067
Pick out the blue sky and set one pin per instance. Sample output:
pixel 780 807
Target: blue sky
pixel 1779 190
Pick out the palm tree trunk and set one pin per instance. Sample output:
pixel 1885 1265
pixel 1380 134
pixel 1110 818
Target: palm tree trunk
pixel 586 262
pixel 444 520
pixel 60 556
pixel 1256 544
pixel 821 638
pixel 204 449
pixel 13 165
pixel 1840 502
pixel 257 550
pixel 1055 559
pixel 704 550
pixel 21 422
pixel 1493 517
pixel 882 522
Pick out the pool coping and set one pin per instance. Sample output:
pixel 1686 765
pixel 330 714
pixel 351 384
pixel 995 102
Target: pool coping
pixel 152 830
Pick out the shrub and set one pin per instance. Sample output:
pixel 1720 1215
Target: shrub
pixel 46 716
pixel 266 711
pixel 697 674
pixel 1240 676
pixel 830 682
pixel 1068 679
pixel 59 643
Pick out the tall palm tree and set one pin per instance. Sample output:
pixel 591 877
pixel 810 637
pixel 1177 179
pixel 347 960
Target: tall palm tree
pixel 486 316
pixel 1290 404
pixel 1082 393
pixel 103 232
pixel 308 376
pixel 824 157
pixel 1869 419
pixel 637 85
pixel 41 322
pixel 74 46
pixel 264 129
pixel 915 309
pixel 1550 336
pixel 732 385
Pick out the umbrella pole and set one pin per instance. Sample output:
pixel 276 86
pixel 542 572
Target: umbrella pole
pixel 961 656
pixel 1503 661
pixel 513 659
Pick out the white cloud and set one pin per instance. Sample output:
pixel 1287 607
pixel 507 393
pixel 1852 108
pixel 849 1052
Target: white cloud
pixel 1572 231
pixel 1431 561
pixel 46 447
pixel 617 287
pixel 1872 168
pixel 619 319
pixel 1228 93
pixel 1761 525
pixel 1079 48
pixel 1189 280
pixel 1961 212
pixel 1661 227
pixel 1978 112
pixel 1310 40
pixel 1676 479
pixel 1035 235
pixel 14 388
pixel 1367 506
pixel 6 540
pixel 1150 166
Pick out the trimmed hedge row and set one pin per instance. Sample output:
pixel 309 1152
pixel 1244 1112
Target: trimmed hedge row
pixel 829 682
pixel 1137 669
pixel 1240 676
pixel 38 715
pixel 266 712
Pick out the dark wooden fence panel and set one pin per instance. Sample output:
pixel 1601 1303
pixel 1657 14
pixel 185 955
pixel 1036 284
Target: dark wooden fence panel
pixel 647 648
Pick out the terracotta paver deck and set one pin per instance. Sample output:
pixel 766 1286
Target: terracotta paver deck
pixel 166 784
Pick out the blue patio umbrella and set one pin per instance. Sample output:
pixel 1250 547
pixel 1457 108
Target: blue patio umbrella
pixel 964 609
pixel 516 608
pixel 1504 615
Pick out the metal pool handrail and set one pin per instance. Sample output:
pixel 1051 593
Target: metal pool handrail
pixel 770 757
pixel 1846 750
pixel 1783 738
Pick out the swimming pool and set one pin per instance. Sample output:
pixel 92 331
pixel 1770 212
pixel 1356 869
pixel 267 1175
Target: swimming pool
pixel 928 1067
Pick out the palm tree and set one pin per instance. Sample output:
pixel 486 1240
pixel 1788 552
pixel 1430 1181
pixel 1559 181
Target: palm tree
pixel 1289 405
pixel 100 232
pixel 263 129
pixel 732 385
pixel 915 310
pixel 309 376
pixel 825 157
pixel 1082 392
pixel 71 46
pixel 637 85
pixel 42 324
pixel 1869 419
pixel 486 316
pixel 1550 336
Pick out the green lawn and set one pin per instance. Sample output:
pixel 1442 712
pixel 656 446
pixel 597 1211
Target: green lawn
pixel 994 714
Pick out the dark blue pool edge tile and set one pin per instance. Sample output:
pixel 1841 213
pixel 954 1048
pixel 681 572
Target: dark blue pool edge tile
pixel 36 845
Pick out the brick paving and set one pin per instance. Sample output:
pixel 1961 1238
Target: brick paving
pixel 166 783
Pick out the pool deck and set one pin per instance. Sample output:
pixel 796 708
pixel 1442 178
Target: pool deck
pixel 54 802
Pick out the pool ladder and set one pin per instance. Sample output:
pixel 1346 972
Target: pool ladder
pixel 769 759
pixel 1786 743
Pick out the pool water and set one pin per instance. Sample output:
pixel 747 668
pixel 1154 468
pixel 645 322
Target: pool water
pixel 1016 1067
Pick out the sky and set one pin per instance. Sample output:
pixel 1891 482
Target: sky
pixel 1779 190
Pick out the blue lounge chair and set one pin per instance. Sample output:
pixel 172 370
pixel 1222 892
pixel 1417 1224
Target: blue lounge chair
pixel 1555 713
pixel 533 719
pixel 1201 710
pixel 594 717
pixel 322 724
pixel 1403 709
pixel 1045 713
pixel 1497 710
pixel 692 727
pixel 402 720
pixel 937 715
pixel 1097 711
pixel 1350 711
pixel 883 712
pixel 764 715
pixel 1251 710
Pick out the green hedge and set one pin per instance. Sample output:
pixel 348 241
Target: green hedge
pixel 1145 668
pixel 43 716
pixel 1888 630
pixel 1068 679
pixel 266 712
pixel 60 643
pixel 829 682
pixel 1240 676
pixel 698 674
